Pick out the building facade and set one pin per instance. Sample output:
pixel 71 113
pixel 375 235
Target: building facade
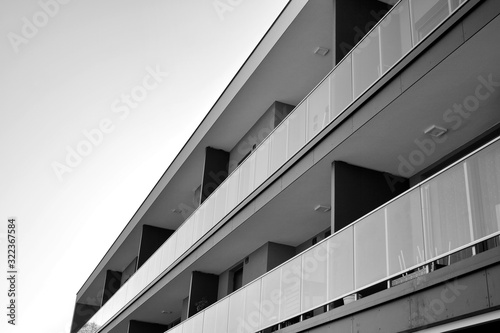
pixel 347 180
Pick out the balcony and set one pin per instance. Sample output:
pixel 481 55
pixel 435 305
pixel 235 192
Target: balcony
pixel 422 229
pixel 402 29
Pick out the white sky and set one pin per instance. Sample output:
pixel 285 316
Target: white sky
pixel 62 81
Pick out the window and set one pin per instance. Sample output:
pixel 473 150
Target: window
pixel 236 278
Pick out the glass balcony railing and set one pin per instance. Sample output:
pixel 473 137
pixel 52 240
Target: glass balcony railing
pixel 405 26
pixel 454 210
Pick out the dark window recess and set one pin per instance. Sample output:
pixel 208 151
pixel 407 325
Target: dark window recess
pixel 314 240
pixel 238 278
pixel 215 171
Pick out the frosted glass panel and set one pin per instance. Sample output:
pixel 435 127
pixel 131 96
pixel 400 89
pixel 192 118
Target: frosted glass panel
pixel 168 253
pixel 201 218
pixel 341 263
pixel 189 226
pixel 446 216
pixel 209 320
pixel 261 163
pixel 128 287
pixel 137 282
pixel 133 286
pixel 319 109
pixel 247 177
pixel 142 278
pixel 153 266
pixel 404 232
pixel 103 318
pixel 232 190
pixel 197 225
pixel 181 241
pixel 237 311
pixel 252 307
pixel 278 144
pixel 290 288
pixel 220 202
pixel 366 63
pixel 296 130
pixel 369 249
pixel 426 15
pixel 187 327
pixel 270 299
pixel 121 297
pixel 341 87
pixel 315 281
pixel 208 220
pixel 484 184
pixel 164 255
pixel 198 322
pixel 395 35
pixel 222 316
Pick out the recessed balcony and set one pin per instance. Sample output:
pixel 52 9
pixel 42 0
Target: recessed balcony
pixel 320 109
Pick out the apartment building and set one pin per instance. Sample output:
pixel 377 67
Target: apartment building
pixel 347 180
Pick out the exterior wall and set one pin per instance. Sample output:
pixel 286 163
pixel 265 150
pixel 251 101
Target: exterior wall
pixel 278 254
pixel 256 264
pixel 223 285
